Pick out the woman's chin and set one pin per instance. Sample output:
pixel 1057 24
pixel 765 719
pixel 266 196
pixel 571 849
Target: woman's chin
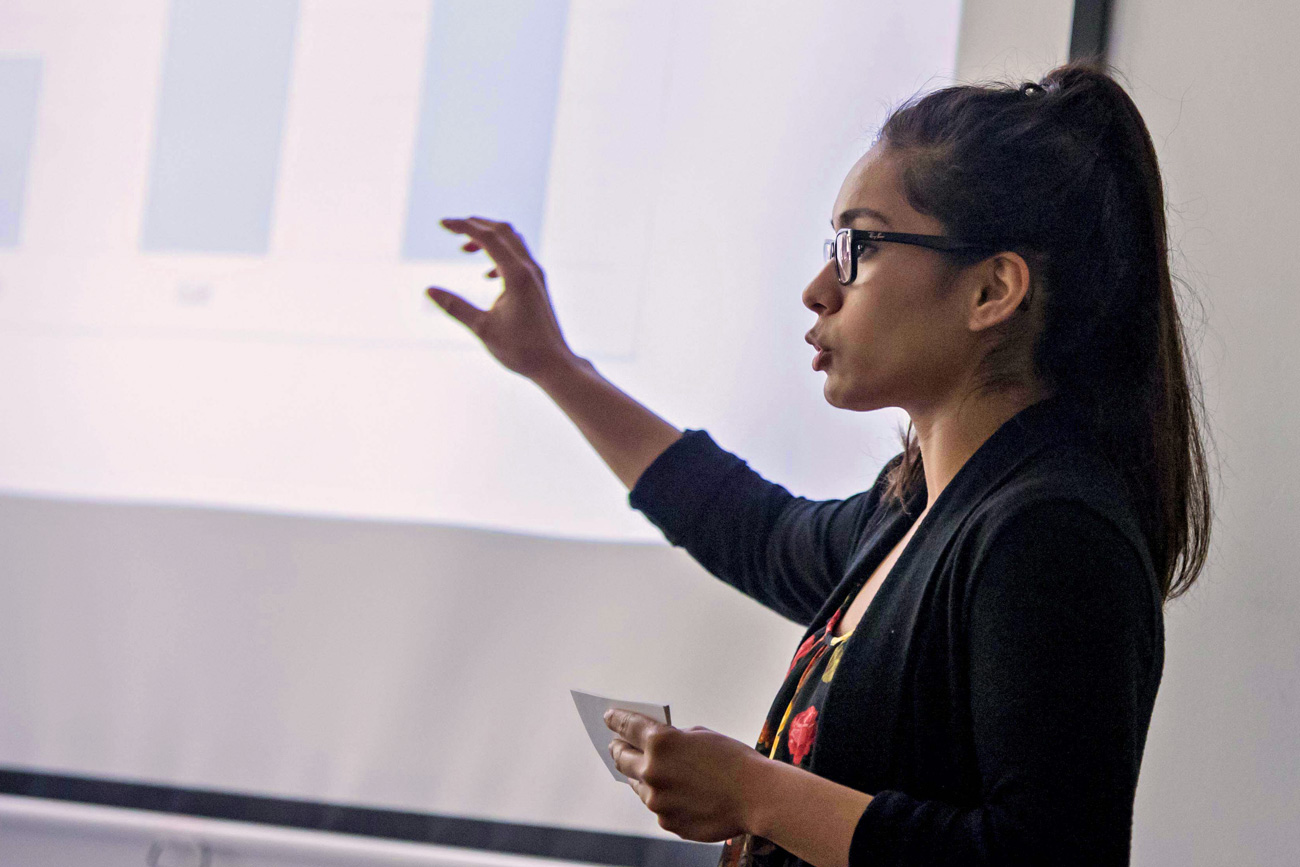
pixel 834 396
pixel 837 398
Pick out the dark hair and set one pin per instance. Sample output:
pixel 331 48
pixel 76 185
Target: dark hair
pixel 1063 172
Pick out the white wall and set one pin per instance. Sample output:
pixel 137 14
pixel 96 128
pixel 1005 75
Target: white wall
pixel 1217 84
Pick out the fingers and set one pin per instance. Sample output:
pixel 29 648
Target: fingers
pixel 458 308
pixel 499 240
pixel 638 736
pixel 629 761
pixel 635 728
pixel 471 247
pixel 641 789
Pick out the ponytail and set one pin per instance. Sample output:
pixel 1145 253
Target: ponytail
pixel 1063 172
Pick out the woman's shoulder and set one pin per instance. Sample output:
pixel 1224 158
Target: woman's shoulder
pixel 1070 470
pixel 1064 504
pixel 1070 477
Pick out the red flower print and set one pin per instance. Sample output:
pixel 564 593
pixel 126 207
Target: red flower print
pixel 803 649
pixel 835 618
pixel 803 730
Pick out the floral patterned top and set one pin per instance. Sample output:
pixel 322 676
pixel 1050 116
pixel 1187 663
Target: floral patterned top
pixel 790 730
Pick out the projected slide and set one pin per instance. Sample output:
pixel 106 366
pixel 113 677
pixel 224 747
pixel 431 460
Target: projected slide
pixel 220 117
pixel 220 216
pixel 20 82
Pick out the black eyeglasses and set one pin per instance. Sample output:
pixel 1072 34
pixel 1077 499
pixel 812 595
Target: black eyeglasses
pixel 848 244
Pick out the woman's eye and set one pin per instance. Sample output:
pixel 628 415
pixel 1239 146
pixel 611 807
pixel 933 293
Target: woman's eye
pixel 867 249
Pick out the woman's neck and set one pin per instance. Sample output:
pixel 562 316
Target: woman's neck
pixel 951 431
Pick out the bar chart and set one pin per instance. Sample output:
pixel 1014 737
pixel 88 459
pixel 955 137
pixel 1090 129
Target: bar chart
pixel 272 158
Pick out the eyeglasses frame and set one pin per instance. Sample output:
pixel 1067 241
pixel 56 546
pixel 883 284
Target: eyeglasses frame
pixel 858 238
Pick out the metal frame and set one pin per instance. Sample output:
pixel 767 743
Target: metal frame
pixel 1090 29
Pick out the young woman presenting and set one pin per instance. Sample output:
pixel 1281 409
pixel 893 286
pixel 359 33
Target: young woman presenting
pixel 985 633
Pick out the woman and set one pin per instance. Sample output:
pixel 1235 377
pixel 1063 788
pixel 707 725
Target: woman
pixel 985 634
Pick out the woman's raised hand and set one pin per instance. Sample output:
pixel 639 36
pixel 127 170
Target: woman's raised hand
pixel 521 332
pixel 520 328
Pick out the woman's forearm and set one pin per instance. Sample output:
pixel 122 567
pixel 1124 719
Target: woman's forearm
pixel 809 816
pixel 626 435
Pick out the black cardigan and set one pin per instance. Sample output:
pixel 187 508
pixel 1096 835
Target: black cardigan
pixel 996 696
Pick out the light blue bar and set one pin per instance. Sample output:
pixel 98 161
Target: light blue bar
pixel 487 112
pixel 20 85
pixel 221 109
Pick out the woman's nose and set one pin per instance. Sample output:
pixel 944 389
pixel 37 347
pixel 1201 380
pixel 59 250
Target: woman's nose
pixel 822 295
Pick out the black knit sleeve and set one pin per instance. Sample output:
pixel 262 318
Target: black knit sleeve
pixel 787 552
pixel 1065 649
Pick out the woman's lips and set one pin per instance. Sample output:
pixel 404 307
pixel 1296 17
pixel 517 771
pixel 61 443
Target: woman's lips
pixel 822 359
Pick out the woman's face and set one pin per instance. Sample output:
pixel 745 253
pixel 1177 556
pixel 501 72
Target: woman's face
pixel 897 335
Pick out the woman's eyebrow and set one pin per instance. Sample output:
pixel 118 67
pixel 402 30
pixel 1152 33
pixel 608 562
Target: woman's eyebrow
pixel 854 213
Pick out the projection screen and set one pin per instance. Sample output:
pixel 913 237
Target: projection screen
pixel 271 524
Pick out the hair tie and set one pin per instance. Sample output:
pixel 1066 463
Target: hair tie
pixel 1030 88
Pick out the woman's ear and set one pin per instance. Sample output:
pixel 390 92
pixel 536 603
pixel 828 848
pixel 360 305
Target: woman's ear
pixel 1001 284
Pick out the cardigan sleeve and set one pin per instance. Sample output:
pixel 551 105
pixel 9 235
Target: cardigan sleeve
pixel 787 552
pixel 1065 652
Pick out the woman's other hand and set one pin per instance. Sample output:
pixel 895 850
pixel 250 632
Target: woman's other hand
pixel 699 783
pixel 707 787
pixel 520 328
